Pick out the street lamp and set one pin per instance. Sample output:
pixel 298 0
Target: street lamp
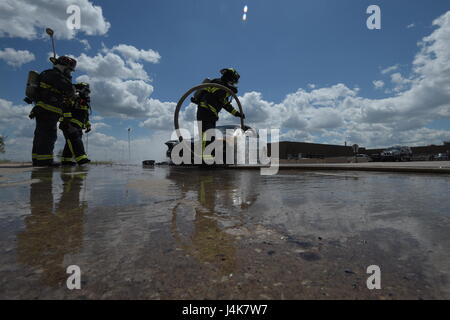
pixel 129 145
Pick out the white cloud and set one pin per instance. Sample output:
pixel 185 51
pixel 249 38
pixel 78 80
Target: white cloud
pixel 409 26
pixel 86 44
pixel 29 18
pixel 96 118
pixel 104 147
pixel 110 66
pixel 399 81
pixel 134 54
pixel 390 69
pixel 16 58
pixel 99 125
pixel 14 119
pixel 378 84
pixel 160 115
pixel 119 83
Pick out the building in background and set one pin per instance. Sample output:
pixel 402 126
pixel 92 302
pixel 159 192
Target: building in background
pixel 291 150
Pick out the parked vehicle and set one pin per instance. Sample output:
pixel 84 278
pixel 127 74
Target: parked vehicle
pixel 440 157
pixel 360 157
pixel 397 153
pixel 376 157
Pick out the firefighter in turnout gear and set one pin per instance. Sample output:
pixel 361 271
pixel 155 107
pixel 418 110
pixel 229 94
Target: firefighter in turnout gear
pixel 211 100
pixel 54 95
pixel 73 122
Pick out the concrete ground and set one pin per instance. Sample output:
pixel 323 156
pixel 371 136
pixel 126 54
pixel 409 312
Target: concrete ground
pixel 411 166
pixel 189 233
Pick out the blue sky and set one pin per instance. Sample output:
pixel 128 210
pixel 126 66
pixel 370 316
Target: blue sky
pixel 282 47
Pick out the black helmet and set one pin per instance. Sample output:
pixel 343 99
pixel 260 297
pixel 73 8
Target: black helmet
pixel 83 88
pixel 230 75
pixel 66 61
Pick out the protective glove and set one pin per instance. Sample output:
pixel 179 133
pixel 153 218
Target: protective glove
pixel 238 114
pixel 88 129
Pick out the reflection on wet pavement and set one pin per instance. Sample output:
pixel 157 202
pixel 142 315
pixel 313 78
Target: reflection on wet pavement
pixel 187 233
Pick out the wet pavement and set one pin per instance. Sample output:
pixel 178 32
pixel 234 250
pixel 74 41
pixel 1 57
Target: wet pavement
pixel 187 233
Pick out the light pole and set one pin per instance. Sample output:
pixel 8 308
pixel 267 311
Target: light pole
pixel 129 145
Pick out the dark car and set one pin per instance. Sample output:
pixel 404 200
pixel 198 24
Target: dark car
pixel 376 157
pixel 397 153
pixel 440 157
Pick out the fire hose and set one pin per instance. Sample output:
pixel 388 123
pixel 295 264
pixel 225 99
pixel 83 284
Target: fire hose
pixel 201 86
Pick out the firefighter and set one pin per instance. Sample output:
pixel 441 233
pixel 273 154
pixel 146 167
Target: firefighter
pixel 74 121
pixel 54 95
pixel 211 100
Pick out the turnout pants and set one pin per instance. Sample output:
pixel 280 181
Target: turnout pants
pixel 44 139
pixel 206 125
pixel 74 147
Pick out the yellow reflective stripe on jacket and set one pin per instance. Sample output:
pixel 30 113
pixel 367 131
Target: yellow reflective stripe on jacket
pixel 208 106
pixel 234 112
pixel 77 122
pixel 83 108
pixel 49 107
pixel 212 89
pixel 66 159
pixel 67 115
pixel 49 87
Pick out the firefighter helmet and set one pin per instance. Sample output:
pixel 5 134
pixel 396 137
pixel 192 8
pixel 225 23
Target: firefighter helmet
pixel 230 75
pixel 66 61
pixel 83 88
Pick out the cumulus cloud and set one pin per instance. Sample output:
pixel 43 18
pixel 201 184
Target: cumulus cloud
pixel 16 58
pixel 29 18
pixel 160 115
pixel 399 81
pixel 86 44
pixel 378 84
pixel 119 83
pixel 105 147
pixel 15 124
pixel 14 118
pixel 390 69
pixel 134 54
pixel 99 125
pixel 409 26
pixel 110 66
